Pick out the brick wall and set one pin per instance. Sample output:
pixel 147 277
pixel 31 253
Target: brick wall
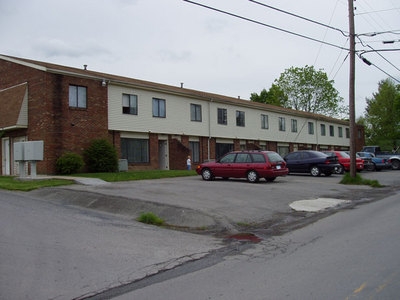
pixel 50 118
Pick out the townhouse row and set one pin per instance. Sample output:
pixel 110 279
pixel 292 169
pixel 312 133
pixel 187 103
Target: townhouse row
pixel 152 126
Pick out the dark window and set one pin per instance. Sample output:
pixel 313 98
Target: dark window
pixel 243 158
pixel 258 158
pixel 229 158
pixel 222 116
pixel 159 108
pixel 222 148
pixel 195 149
pixel 240 118
pixel 264 121
pixel 195 112
pixel 129 104
pixel 347 133
pixel 331 130
pixel 310 128
pixel 77 96
pixel 323 130
pixel 135 150
pixel 340 131
pixel 282 125
pixel 294 125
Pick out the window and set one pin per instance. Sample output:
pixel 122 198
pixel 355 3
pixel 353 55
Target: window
pixel 243 158
pixel 135 150
pixel 258 158
pixel 222 116
pixel 340 132
pixel 229 158
pixel 195 149
pixel 310 128
pixel 347 133
pixel 240 118
pixel 129 104
pixel 158 108
pixel 264 121
pixel 294 125
pixel 195 112
pixel 282 126
pixel 323 130
pixel 77 96
pixel 331 130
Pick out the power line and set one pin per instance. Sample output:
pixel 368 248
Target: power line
pixel 301 17
pixel 264 24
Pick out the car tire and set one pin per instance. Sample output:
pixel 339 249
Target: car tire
pixel 340 170
pixel 315 171
pixel 252 176
pixel 207 174
pixel 270 179
pixel 371 167
pixel 395 164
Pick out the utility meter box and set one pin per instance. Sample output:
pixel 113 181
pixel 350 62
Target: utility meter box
pixel 19 151
pixel 33 150
pixel 28 151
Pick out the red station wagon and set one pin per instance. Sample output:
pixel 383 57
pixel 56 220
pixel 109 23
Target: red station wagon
pixel 251 165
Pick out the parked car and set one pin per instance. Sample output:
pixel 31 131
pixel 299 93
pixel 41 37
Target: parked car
pixel 393 156
pixel 252 165
pixel 344 160
pixel 311 161
pixel 373 163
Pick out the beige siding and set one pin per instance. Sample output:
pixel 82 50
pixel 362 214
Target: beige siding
pixel 177 120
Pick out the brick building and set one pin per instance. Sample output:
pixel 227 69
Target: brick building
pixel 153 126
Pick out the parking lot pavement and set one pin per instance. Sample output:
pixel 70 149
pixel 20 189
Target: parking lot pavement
pixel 192 202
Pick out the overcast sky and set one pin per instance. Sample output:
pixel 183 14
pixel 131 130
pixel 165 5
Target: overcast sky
pixel 173 41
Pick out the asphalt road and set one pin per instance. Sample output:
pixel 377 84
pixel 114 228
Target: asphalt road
pixel 353 254
pixel 76 241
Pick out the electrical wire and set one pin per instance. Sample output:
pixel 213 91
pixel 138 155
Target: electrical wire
pixel 301 17
pixel 264 24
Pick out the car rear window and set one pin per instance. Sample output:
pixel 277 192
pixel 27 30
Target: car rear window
pixel 258 158
pixel 274 157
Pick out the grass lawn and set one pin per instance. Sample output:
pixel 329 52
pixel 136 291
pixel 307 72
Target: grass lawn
pixel 13 183
pixel 138 175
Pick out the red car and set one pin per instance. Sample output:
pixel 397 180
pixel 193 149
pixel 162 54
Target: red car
pixel 344 160
pixel 251 165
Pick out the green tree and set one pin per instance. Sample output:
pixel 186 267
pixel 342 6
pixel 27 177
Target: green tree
pixel 309 90
pixel 274 96
pixel 383 115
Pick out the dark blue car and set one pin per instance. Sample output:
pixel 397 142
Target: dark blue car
pixel 311 161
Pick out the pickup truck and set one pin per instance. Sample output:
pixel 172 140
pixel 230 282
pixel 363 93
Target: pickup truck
pixel 393 156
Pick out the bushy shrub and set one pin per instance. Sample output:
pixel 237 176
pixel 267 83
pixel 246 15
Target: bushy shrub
pixel 69 163
pixel 101 156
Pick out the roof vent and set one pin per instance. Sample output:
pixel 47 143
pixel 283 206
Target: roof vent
pixel 85 67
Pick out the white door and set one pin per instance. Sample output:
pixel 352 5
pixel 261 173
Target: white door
pixel 163 155
pixel 5 154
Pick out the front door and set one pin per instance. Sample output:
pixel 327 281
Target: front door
pixel 5 154
pixel 163 154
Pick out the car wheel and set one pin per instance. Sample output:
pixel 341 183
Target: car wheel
pixel 371 167
pixel 270 179
pixel 395 165
pixel 252 176
pixel 206 174
pixel 315 171
pixel 339 170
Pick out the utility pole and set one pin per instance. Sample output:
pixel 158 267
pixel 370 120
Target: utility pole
pixel 353 132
